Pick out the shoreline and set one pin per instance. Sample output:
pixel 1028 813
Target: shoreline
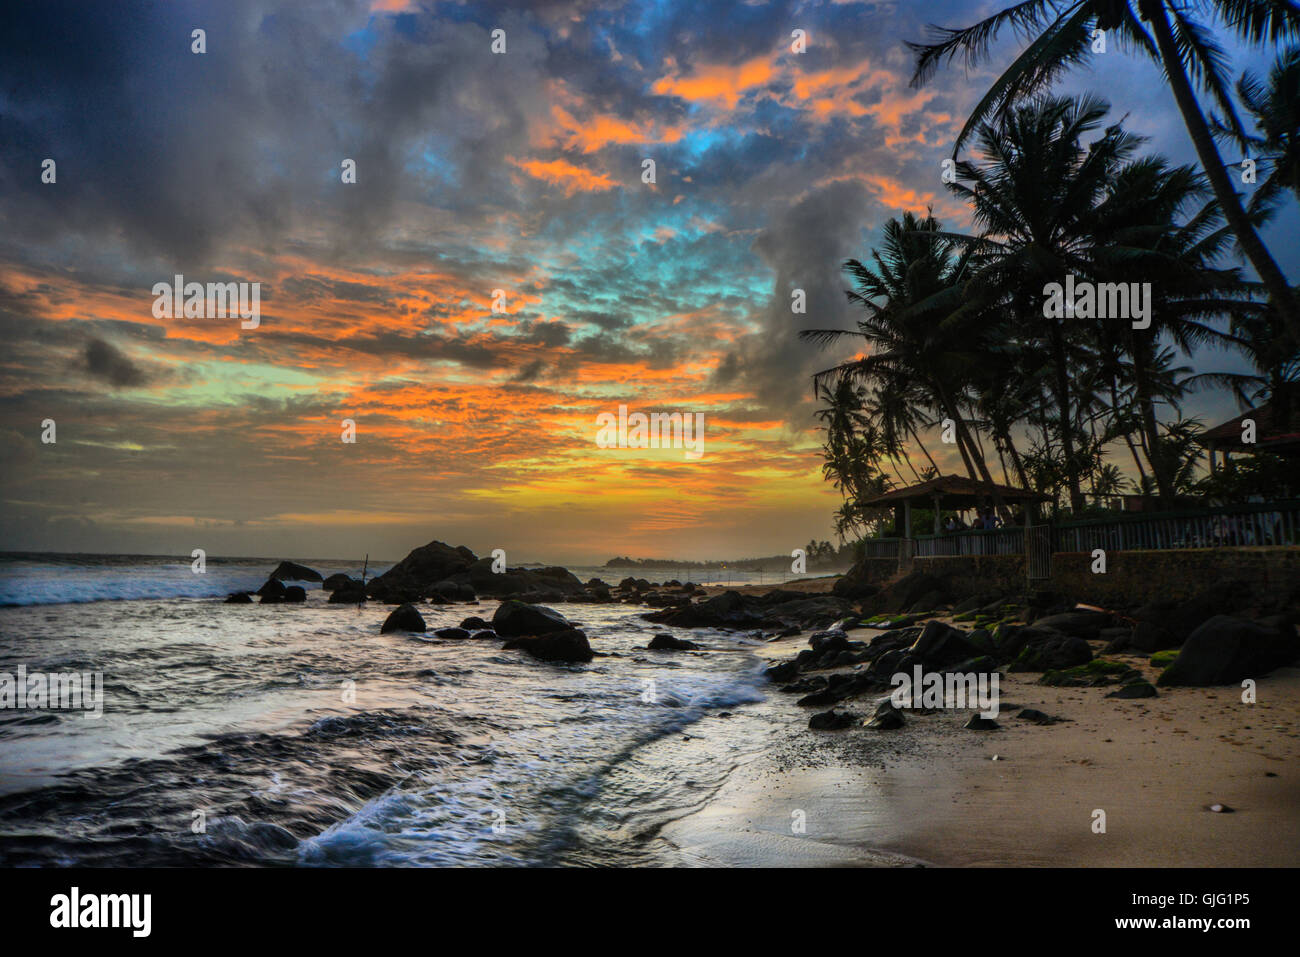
pixel 930 793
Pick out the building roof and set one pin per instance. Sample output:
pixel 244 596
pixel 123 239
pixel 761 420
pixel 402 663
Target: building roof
pixel 1270 434
pixel 955 491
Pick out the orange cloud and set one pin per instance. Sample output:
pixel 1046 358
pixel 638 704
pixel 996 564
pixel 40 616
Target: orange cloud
pixel 560 172
pixel 716 83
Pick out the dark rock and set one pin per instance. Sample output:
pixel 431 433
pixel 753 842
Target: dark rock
pixel 295 593
pixel 457 634
pixel 1046 650
pixel 1151 637
pixel 474 623
pixel 1080 623
pixel 978 722
pixel 664 642
pixel 823 641
pixel 415 575
pixel 1225 650
pixel 239 598
pixel 514 618
pixel 338 580
pixel 887 717
pixel 403 618
pixel 1036 716
pixel 293 572
pixel 1135 689
pixel 830 720
pixel 1117 639
pixel 904 594
pixel 939 645
pixel 1182 617
pixel 455 591
pixel 854 583
pixel 782 673
pixel 353 593
pixel 484 635
pixel 568 644
pixel 273 587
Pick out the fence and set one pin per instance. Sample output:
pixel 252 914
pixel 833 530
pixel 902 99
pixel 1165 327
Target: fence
pixel 1002 541
pixel 1274 523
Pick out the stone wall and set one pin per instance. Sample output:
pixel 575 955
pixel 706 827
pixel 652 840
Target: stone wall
pixel 1271 576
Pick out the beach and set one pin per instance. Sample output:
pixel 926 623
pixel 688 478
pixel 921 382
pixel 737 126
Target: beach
pixel 933 793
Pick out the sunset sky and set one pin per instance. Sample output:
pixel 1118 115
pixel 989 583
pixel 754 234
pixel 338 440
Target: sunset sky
pixel 476 171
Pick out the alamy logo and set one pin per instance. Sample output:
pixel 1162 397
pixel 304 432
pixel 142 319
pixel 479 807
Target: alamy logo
pixel 1106 300
pixel 658 430
pixel 216 300
pixel 952 690
pixel 103 910
pixel 65 690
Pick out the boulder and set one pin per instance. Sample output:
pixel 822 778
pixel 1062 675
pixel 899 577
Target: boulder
pixel 887 717
pixel 515 618
pixel 403 618
pixel 855 583
pixel 1081 623
pixel 569 644
pixel 272 593
pixel 978 722
pixel 295 593
pixel 1225 650
pixel 1051 651
pixel 484 635
pixel 457 634
pixel 830 720
pixel 239 598
pixel 339 580
pixel 474 623
pixel 1179 618
pixel 293 572
pixel 353 593
pixel 665 642
pixel 454 591
pixel 940 645
pixel 415 575
pixel 1135 689
pixel 1151 637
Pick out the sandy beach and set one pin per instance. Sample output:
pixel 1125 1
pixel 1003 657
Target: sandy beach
pixel 933 793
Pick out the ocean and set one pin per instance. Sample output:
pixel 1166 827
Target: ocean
pixel 299 735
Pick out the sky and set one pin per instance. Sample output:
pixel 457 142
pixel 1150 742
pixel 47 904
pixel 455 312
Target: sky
pixel 521 171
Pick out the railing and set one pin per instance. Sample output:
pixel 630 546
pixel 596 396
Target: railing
pixel 1002 541
pixel 879 548
pixel 1273 523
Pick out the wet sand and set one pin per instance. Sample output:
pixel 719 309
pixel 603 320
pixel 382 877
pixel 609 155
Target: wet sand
pixel 934 793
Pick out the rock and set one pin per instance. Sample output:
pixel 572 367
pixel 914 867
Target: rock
pixel 474 623
pixel 830 720
pixel 1117 639
pixel 978 722
pixel 1225 650
pixel 824 641
pixel 1180 618
pixel 415 575
pixel 782 673
pixel 665 642
pixel 516 618
pixel 1135 689
pixel 1042 649
pixel 1151 637
pixel 295 593
pixel 484 636
pixel 455 634
pixel 1036 716
pixel 239 598
pixel 568 644
pixel 1080 623
pixel 855 583
pixel 338 580
pixel 454 591
pixel 352 593
pixel 887 717
pixel 293 572
pixel 905 593
pixel 940 645
pixel 403 618
pixel 272 593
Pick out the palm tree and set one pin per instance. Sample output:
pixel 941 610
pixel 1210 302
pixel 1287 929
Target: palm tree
pixel 1274 105
pixel 916 326
pixel 1060 34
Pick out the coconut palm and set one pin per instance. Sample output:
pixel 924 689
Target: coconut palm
pixel 1060 34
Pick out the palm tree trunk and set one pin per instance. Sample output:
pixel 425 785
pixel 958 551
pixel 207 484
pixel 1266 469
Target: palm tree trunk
pixel 1279 290
pixel 1064 419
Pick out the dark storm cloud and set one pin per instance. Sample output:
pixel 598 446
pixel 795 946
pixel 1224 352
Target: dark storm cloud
pixel 105 361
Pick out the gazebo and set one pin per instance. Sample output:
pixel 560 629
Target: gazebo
pixel 1271 435
pixel 953 492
